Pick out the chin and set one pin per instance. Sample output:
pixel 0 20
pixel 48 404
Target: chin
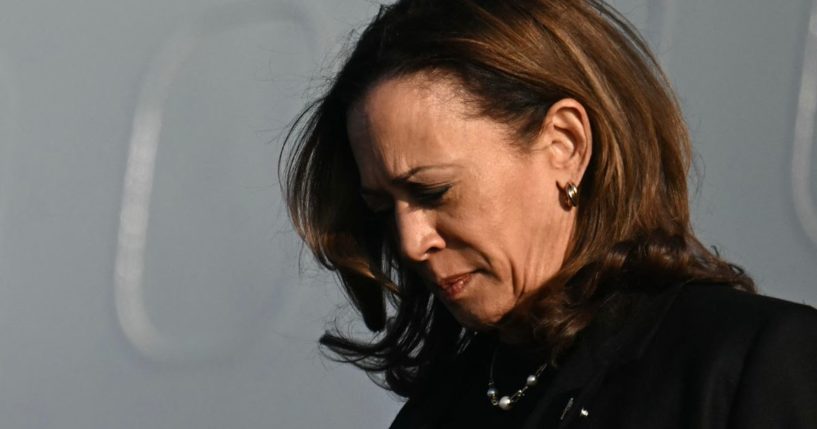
pixel 479 306
pixel 481 321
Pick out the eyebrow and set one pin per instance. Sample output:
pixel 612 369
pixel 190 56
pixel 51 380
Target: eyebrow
pixel 404 179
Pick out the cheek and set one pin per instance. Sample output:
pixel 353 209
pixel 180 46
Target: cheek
pixel 503 196
pixel 496 221
pixel 525 229
pixel 517 207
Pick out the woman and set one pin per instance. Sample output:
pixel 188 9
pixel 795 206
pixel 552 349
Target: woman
pixel 501 187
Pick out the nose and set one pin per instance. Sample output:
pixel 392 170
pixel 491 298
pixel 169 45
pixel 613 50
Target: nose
pixel 417 232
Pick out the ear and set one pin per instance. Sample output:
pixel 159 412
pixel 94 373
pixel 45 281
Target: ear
pixel 567 140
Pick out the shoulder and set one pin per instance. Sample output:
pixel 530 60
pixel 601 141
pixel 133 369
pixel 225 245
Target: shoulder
pixel 770 344
pixel 719 317
pixel 721 328
pixel 721 355
pixel 766 343
pixel 700 321
pixel 723 307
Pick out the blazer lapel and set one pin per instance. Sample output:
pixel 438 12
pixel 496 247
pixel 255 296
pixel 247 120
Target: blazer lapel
pixel 611 340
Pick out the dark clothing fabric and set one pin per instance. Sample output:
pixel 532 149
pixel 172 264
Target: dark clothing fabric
pixel 472 407
pixel 692 356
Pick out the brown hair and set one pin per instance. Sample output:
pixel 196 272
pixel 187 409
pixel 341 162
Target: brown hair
pixel 515 58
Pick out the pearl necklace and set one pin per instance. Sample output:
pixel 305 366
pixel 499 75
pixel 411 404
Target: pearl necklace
pixel 505 402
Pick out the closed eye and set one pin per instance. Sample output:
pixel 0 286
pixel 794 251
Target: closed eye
pixel 429 196
pixel 423 195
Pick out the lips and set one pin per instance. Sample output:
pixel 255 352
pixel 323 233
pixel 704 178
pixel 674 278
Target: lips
pixel 453 286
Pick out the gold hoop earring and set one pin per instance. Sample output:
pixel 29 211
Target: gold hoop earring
pixel 572 194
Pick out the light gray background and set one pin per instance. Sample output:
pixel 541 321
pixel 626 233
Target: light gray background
pixel 148 274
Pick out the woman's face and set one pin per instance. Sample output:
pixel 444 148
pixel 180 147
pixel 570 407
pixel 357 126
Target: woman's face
pixel 478 218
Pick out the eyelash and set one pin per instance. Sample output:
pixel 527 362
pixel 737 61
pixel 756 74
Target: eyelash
pixel 424 196
pixel 431 197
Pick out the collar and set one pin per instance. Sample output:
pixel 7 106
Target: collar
pixel 622 334
pixel 616 336
pixel 609 341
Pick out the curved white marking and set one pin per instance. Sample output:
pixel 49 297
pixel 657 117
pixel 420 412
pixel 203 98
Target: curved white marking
pixel 801 171
pixel 133 317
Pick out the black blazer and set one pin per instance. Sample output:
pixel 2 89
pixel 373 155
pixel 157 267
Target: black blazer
pixel 693 356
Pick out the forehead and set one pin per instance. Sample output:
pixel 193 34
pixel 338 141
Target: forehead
pixel 409 122
pixel 404 108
